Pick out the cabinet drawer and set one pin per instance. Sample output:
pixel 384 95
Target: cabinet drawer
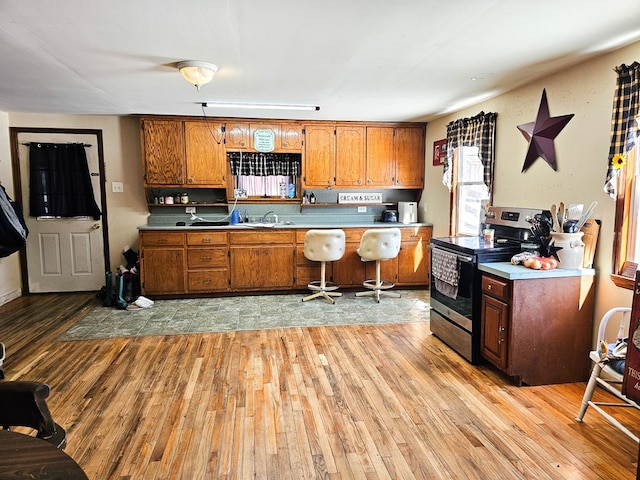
pixel 415 233
pixel 207 238
pixel 353 234
pixel 495 287
pixel 206 257
pixel 162 238
pixel 261 237
pixel 208 280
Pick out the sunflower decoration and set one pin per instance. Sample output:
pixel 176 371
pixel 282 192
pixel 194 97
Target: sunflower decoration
pixel 619 161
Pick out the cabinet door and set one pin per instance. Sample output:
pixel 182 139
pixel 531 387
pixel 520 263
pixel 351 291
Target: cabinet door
pixel 162 270
pixel 291 137
pixel 206 157
pixel 237 135
pixel 320 155
pixel 350 156
pixel 349 270
pixel 494 334
pixel 262 268
pixel 413 263
pixel 380 157
pixel 409 156
pixel 163 152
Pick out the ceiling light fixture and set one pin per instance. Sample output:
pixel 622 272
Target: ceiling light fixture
pixel 197 73
pixel 267 106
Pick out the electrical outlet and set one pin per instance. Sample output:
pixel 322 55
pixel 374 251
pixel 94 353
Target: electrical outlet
pixel 190 209
pixel 117 187
pixel 362 209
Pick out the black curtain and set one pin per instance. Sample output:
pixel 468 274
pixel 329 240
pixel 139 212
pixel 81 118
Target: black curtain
pixel 60 183
pixel 265 164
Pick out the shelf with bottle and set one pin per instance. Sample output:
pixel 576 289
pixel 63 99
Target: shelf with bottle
pixel 185 197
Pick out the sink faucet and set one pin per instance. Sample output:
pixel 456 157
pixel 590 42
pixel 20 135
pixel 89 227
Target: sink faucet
pixel 264 217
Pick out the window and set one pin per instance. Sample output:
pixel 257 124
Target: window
pixel 622 174
pixel 627 221
pixel 470 194
pixel 468 171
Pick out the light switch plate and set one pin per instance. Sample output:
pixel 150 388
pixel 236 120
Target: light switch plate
pixel 362 209
pixel 117 187
pixel 189 209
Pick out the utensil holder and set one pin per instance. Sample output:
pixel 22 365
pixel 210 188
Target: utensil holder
pixel 571 255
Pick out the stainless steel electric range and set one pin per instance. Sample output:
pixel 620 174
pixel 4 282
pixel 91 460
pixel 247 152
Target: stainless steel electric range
pixel 455 280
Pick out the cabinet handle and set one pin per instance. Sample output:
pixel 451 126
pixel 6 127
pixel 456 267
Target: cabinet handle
pixel 190 180
pixel 206 240
pixel 489 287
pixel 206 258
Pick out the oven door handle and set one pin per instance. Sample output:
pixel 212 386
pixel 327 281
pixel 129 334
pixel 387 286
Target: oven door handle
pixel 462 258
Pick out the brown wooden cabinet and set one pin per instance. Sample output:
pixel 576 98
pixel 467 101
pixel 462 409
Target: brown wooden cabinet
pixel 237 135
pixel 395 157
pixel 237 260
pixel 262 260
pixel 350 156
pixel 320 156
pixel 162 262
pixel 538 330
pixel 380 160
pixel 205 159
pixel 207 261
pixel 414 258
pixel 162 153
pixel 409 148
pixel 291 137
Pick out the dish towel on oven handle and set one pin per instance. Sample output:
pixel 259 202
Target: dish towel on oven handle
pixel 446 272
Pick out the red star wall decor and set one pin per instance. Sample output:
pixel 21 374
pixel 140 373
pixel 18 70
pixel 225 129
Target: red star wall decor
pixel 541 133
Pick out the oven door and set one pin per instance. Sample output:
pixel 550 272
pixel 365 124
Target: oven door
pixel 462 304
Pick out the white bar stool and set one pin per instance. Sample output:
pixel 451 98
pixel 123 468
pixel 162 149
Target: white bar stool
pixel 323 246
pixel 378 245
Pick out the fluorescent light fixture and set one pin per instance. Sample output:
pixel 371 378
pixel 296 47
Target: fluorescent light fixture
pixel 266 106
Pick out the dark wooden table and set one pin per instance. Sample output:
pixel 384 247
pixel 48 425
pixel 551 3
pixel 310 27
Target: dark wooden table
pixel 22 456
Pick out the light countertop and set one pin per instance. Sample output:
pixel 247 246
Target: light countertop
pixel 518 272
pixel 301 225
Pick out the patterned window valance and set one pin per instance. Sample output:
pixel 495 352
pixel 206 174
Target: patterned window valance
pixel 265 164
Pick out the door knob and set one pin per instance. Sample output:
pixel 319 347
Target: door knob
pixel 96 226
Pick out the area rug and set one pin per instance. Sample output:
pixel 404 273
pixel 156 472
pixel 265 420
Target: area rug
pixel 203 315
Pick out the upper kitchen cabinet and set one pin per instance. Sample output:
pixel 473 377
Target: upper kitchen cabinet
pixel 237 136
pixel 395 157
pixel 183 154
pixel 350 156
pixel 206 159
pixel 380 161
pixel 334 156
pixel 162 153
pixel 409 150
pixel 320 156
pixel 287 137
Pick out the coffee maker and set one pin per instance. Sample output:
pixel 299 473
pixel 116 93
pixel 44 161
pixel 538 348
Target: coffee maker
pixel 408 212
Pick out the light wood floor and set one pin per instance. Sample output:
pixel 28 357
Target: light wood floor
pixel 355 402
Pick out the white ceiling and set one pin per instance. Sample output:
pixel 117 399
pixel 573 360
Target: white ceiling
pixel 377 60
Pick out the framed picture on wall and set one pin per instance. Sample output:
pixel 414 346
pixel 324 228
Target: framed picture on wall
pixel 439 152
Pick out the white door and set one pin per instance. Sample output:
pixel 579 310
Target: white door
pixel 63 254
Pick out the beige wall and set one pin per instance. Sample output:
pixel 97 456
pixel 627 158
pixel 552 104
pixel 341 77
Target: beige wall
pixel 581 151
pixel 10 280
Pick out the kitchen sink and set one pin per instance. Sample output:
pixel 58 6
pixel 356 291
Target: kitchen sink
pixel 257 225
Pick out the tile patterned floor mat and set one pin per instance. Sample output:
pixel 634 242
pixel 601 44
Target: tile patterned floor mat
pixel 201 315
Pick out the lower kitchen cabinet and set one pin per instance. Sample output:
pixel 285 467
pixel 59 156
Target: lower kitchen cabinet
pixel 538 331
pixel 262 260
pixel 162 263
pixel 207 262
pixel 210 261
